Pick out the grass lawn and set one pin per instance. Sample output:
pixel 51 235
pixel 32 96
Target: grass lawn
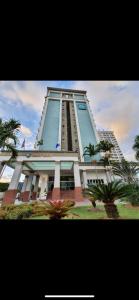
pixel 87 212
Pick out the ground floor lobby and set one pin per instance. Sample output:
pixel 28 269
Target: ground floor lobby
pixel 59 175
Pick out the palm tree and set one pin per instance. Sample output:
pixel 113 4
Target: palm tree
pixel 132 194
pixel 105 163
pixel 8 136
pixel 136 146
pixel 126 170
pixel 91 151
pixel 106 148
pixel 107 193
pixel 40 143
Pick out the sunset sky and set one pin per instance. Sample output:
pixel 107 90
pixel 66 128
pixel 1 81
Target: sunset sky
pixel 115 106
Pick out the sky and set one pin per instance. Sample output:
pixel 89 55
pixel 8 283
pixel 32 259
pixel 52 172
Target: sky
pixel 115 106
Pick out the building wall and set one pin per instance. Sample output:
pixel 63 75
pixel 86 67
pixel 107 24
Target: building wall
pixel 116 153
pixel 64 142
pixel 93 175
pixel 86 129
pixel 75 143
pixel 50 132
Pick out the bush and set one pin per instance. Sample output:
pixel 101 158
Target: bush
pixel 58 209
pixel 15 211
pixel 55 209
pixel 4 186
pixel 132 194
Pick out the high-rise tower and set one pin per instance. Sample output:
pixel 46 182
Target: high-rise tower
pixel 67 121
pixel 57 165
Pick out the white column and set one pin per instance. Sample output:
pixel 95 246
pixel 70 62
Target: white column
pixel 36 184
pixel 24 184
pixel 1 167
pixel 29 183
pixel 57 175
pixel 77 180
pixel 16 176
pixel 43 184
pixel 85 180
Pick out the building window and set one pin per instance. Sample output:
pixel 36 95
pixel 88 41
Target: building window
pixel 67 96
pixel 54 94
pixel 82 106
pixel 77 96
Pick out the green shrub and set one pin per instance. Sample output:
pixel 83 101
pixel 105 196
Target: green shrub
pixel 3 186
pixel 58 209
pixel 15 211
pixel 132 194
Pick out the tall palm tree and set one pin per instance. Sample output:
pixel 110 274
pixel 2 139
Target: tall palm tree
pixel 106 148
pixel 136 147
pixel 107 193
pixel 126 170
pixel 105 163
pixel 8 136
pixel 91 151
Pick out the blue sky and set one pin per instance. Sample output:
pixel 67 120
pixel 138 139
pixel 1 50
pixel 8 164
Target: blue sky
pixel 115 106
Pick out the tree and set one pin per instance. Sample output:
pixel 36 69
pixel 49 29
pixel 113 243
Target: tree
pixel 105 163
pixel 132 194
pixel 40 142
pixel 126 170
pixel 106 148
pixel 8 136
pixel 107 193
pixel 136 147
pixel 90 151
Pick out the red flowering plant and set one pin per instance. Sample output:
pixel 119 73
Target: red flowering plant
pixel 58 209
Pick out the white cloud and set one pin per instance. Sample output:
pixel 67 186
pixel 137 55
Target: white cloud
pixel 26 131
pixel 115 106
pixel 28 92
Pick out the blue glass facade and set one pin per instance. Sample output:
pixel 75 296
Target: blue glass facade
pixel 86 129
pixel 51 126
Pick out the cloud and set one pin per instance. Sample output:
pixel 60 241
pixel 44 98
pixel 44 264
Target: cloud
pixel 26 131
pixel 115 106
pixel 30 93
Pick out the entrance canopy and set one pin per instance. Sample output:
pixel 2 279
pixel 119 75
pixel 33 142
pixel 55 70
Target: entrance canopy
pixel 34 161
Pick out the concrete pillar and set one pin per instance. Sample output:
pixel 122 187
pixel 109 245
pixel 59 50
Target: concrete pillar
pixel 26 194
pixel 56 189
pixel 85 185
pixel 24 184
pixel 1 168
pixel 36 185
pixel 43 184
pixel 24 187
pixel 77 181
pixel 10 195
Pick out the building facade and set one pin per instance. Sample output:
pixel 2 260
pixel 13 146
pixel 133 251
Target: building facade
pixel 57 164
pixel 116 153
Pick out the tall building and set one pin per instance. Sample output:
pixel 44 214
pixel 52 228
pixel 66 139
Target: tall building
pixel 68 121
pixel 57 165
pixel 116 153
